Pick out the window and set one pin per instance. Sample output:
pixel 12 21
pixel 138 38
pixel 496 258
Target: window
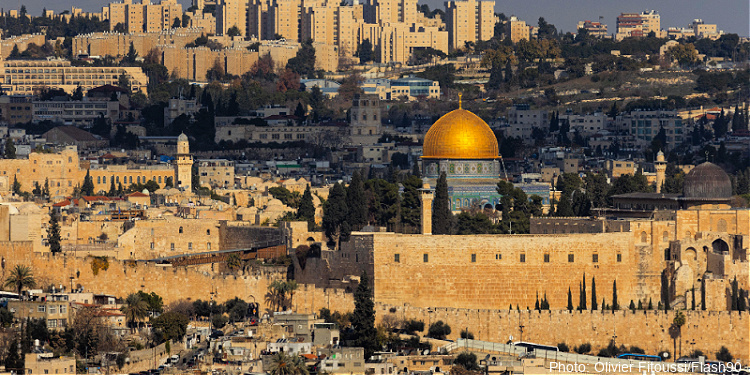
pixel 397 258
pixel 208 245
pixel 152 245
pixel 41 308
pixel 619 258
pixel 546 258
pixel 53 309
pixel 171 246
pixel 473 258
pixel 523 258
pixel 425 258
pixel 190 246
pixel 63 309
pixel 180 229
pixel 208 232
pixel 499 256
pixel 595 258
pixel 571 258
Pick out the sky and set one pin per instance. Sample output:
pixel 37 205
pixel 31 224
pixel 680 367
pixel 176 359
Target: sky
pixel 732 16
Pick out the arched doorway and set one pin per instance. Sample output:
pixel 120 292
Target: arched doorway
pixel 720 247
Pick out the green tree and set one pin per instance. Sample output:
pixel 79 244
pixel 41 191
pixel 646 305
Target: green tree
pixel 363 318
pixel 53 233
pixel 355 202
pixel 335 212
pixel 283 364
pixel 304 62
pixel 410 204
pixel 234 31
pixel 132 54
pixel 10 148
pixel 87 189
pixel 20 277
pixel 171 325
pixel 570 300
pixel 112 188
pixel 13 360
pixel 16 185
pixel 594 302
pixel 364 51
pixel 306 210
pixel 615 305
pixel 442 217
pixel 724 355
pixel 135 309
pixel 45 190
pixel 439 330
pixel 467 360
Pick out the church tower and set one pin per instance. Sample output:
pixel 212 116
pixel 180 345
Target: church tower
pixel 661 169
pixel 183 164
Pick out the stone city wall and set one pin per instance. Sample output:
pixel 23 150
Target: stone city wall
pixel 122 277
pixel 497 271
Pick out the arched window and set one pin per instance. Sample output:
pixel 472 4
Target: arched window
pixel 180 229
pixel 665 236
pixel 644 237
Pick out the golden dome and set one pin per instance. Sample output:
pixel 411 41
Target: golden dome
pixel 460 134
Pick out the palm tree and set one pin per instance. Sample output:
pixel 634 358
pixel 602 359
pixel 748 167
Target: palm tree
pixel 282 364
pixel 20 277
pixel 291 286
pixel 135 309
pixel 275 296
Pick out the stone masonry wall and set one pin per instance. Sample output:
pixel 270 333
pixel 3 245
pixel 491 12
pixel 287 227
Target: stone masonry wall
pixel 498 271
pixel 123 278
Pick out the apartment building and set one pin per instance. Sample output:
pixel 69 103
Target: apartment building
pixel 638 24
pixel 586 124
pixel 15 109
pixel 229 14
pixel 79 112
pixel 644 125
pixel 390 11
pixel 216 173
pixel 469 21
pixel 20 41
pixel 697 29
pixel 54 309
pixel 144 16
pixel 516 29
pixel 410 88
pixel 27 77
pixel 522 120
pixel 594 29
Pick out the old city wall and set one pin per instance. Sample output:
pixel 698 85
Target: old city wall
pixel 649 330
pixel 122 278
pixel 494 272
pixel 154 238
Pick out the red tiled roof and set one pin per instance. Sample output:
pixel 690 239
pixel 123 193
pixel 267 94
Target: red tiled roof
pixel 136 194
pixel 62 204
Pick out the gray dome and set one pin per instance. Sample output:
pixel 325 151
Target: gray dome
pixel 182 138
pixel 707 180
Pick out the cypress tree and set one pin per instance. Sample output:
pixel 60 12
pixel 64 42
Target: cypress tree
pixel 88 184
pixel 306 210
pixel 735 296
pixel 334 215
pixel 14 361
pixel 650 304
pixel 415 169
pixel 112 189
pixel 410 203
pixel 741 304
pixel 583 295
pixel 615 306
pixel 632 306
pixel 53 234
pixel 442 217
pixel 45 190
pixel 536 304
pixel 10 149
pixel 356 202
pixel 640 305
pixel 594 305
pixel 545 302
pixel 570 300
pixel 363 318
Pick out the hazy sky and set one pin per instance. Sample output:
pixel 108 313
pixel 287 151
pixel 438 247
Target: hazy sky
pixel 732 16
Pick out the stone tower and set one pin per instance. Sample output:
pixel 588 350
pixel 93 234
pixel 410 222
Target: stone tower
pixel 365 116
pixel 183 164
pixel 426 196
pixel 661 169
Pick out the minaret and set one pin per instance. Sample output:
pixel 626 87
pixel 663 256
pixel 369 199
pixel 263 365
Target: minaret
pixel 426 197
pixel 661 169
pixel 183 164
